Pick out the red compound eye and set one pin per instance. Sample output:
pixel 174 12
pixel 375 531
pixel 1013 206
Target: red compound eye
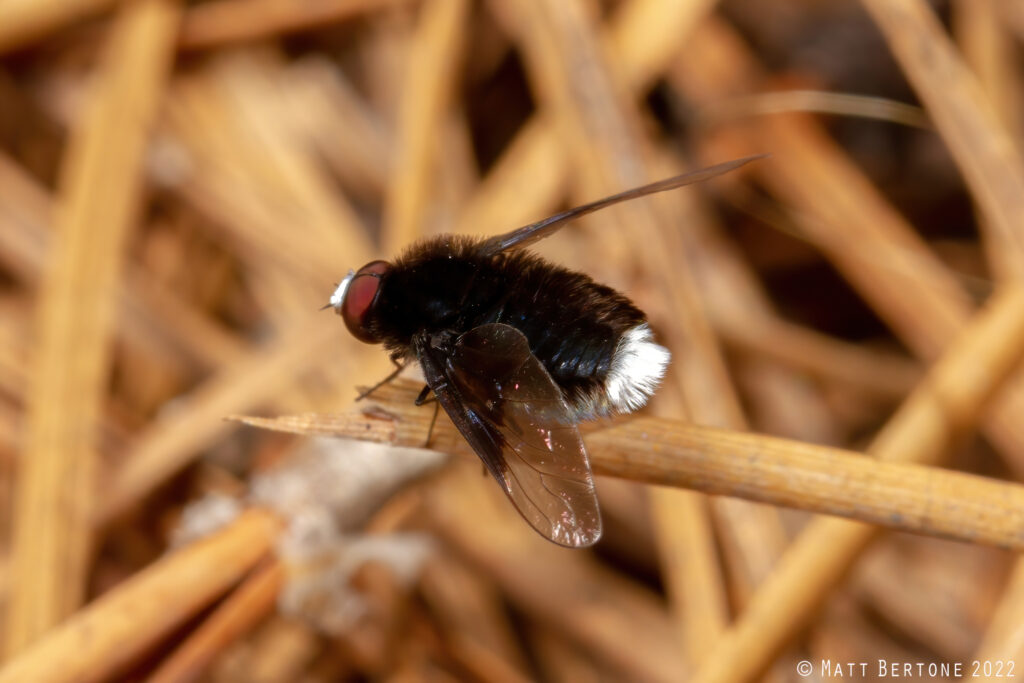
pixel 359 299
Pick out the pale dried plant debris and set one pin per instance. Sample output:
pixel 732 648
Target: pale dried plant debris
pixel 319 590
pixel 348 479
pixel 205 516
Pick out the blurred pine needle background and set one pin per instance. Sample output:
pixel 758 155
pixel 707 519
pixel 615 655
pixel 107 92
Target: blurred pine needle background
pixel 182 184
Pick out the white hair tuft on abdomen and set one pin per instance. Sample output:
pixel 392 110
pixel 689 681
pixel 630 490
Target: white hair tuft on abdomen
pixel 638 366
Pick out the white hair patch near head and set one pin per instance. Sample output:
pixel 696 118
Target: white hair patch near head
pixel 338 297
pixel 638 366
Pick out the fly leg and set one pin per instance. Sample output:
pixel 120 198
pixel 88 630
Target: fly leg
pixel 420 400
pixel 423 396
pixel 398 368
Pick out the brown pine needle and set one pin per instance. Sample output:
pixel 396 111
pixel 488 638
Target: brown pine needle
pixel 1004 637
pixel 594 112
pixel 295 139
pixel 100 193
pixel 120 626
pixel 253 378
pixel 901 496
pixel 983 149
pixel 28 20
pixel 251 602
pixel 948 401
pixel 151 315
pixel 215 24
pixel 426 100
pixel 853 223
pixel 821 356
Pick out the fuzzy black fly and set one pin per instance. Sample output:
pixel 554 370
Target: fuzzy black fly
pixel 517 351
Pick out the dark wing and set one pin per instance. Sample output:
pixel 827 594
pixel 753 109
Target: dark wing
pixel 528 234
pixel 504 402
